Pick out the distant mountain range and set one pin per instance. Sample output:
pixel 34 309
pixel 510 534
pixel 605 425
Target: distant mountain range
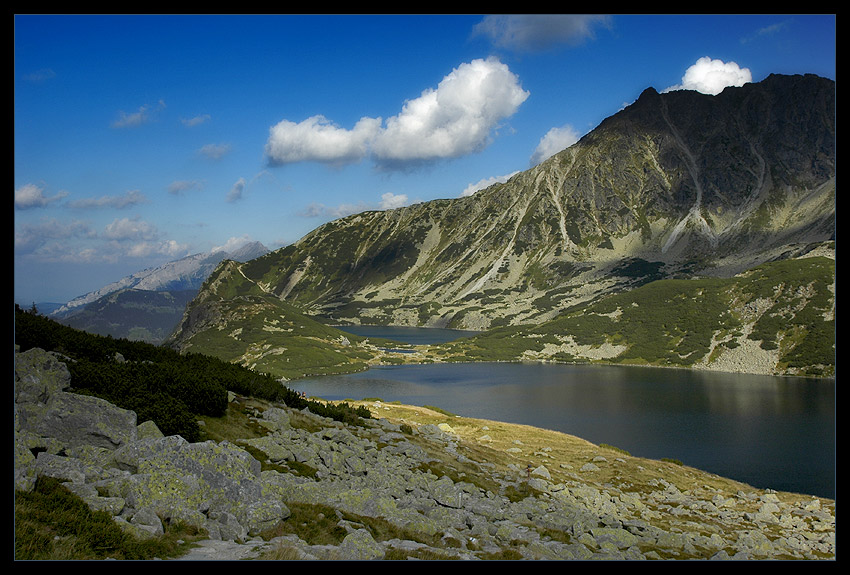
pixel 148 305
pixel 678 185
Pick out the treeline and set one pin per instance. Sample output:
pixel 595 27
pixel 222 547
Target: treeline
pixel 157 382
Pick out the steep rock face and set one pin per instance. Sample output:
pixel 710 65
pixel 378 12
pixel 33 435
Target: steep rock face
pixel 676 183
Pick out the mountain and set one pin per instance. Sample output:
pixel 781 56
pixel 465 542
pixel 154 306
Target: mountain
pixel 677 185
pixel 184 274
pixel 139 315
pixel 148 304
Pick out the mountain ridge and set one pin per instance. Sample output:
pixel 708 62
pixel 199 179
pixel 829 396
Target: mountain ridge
pixel 676 185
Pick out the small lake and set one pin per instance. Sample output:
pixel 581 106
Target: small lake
pixel 769 432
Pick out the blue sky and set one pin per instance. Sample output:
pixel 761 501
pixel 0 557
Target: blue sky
pixel 142 139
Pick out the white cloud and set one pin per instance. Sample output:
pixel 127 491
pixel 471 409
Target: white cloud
pixel 390 201
pixel 712 76
pixel 144 249
pixel 486 183
pixel 452 120
pixel 232 244
pixel 129 229
pixel 554 141
pixel 318 140
pixel 532 32
pixel 32 196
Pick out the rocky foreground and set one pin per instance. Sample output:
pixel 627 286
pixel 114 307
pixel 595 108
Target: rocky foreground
pixel 456 488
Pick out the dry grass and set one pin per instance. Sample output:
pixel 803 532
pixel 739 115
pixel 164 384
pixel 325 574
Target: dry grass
pixel 564 455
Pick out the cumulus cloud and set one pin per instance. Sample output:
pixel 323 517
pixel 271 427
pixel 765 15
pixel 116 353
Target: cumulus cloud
pixel 456 118
pixel 554 141
pixel 533 32
pixel 391 201
pixel 31 196
pixel 710 76
pixel 318 140
pixel 130 229
pixel 486 183
pixel 136 238
pixel 125 200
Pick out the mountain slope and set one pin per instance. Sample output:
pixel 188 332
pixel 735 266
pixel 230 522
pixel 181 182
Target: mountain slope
pixel 778 318
pixel 138 315
pixel 234 320
pixel 677 185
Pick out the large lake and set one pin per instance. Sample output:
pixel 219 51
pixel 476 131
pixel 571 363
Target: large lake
pixel 769 432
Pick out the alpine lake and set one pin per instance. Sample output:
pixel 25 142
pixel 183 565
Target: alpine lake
pixel 766 431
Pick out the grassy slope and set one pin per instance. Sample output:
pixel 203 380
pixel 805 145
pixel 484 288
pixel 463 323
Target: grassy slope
pixel 786 306
pixel 785 309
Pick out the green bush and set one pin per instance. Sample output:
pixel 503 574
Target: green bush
pixel 156 382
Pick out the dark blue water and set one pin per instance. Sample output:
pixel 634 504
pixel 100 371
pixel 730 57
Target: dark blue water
pixel 769 432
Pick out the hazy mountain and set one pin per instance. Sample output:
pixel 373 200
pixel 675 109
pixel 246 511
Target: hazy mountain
pixel 140 315
pixel 184 274
pixel 148 305
pixel 677 185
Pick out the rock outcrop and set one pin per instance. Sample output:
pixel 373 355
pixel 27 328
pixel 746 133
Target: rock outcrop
pixel 237 490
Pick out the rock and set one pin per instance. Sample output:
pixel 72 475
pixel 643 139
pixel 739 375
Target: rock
pixel 541 471
pixel 145 480
pixel 360 545
pixel 44 409
pixel 148 430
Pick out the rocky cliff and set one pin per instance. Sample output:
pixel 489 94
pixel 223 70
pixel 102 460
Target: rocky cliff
pixel 450 488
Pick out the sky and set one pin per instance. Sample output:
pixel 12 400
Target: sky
pixel 141 139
